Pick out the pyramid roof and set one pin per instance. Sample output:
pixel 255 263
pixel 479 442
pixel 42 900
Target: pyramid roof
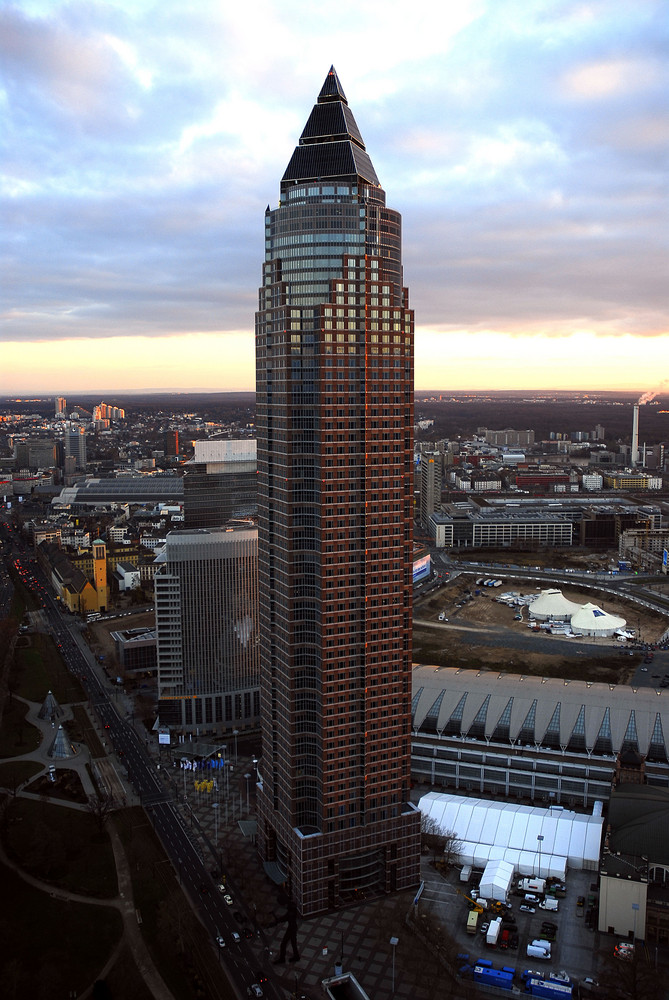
pixel 61 746
pixel 331 144
pixel 50 708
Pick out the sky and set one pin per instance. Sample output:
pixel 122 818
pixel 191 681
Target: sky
pixel 524 142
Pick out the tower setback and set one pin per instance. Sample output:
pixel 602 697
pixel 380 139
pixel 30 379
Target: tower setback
pixel 334 398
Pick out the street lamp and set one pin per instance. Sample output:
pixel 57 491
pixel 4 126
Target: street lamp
pixel 393 944
pixel 248 778
pixel 635 907
pixel 215 808
pixel 540 837
pixel 235 733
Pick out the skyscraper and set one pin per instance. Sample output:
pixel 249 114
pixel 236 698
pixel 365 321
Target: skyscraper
pixel 75 446
pixel 430 474
pixel 334 413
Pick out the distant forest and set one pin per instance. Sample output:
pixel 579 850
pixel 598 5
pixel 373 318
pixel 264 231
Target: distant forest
pixel 454 414
pixel 560 412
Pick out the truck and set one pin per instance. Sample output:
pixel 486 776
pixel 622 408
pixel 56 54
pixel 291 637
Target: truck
pixel 532 884
pixel 539 951
pixel 548 988
pixel 472 921
pixel 550 903
pixel 487 976
pixel 493 932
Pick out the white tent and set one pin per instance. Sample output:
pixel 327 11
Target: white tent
pixel 551 604
pixel 591 620
pixel 534 840
pixel 496 881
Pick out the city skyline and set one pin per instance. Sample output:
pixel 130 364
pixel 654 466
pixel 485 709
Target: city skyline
pixel 523 144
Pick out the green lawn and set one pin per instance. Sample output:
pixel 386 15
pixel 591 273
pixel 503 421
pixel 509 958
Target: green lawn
pixel 124 979
pixel 39 668
pixel 51 946
pixel 60 845
pixel 14 773
pixel 17 737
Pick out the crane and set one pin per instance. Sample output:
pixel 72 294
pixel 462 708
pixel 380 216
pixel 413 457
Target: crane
pixel 474 904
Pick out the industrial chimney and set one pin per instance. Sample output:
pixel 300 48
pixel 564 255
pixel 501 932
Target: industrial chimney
pixel 634 458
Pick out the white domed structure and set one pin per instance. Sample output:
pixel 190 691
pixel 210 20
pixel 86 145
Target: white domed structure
pixel 591 620
pixel 552 605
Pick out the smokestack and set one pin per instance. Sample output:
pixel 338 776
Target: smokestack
pixel 635 436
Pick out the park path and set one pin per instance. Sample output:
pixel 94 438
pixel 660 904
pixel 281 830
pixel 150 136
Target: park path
pixel 124 902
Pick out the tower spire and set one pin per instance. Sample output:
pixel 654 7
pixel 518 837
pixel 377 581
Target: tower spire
pixel 332 89
pixel 331 144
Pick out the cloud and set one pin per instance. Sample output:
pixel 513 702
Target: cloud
pixel 523 143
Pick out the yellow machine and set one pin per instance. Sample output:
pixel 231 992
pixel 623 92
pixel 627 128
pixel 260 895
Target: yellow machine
pixel 473 903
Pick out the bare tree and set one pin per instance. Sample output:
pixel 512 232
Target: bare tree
pixel 442 843
pixel 636 976
pixel 100 806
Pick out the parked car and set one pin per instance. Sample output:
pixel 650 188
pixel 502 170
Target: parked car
pixel 624 950
pixel 527 909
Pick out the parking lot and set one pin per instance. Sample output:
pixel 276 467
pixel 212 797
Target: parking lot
pixel 580 950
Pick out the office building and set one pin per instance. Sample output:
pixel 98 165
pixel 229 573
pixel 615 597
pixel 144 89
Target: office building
pixel 35 453
pixel 220 483
pixel 206 626
pixel 430 474
pixel 172 444
pixel 75 446
pixel 334 356
pixel 60 406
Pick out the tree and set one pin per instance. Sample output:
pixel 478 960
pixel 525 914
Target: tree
pixel 633 978
pixel 99 806
pixel 444 843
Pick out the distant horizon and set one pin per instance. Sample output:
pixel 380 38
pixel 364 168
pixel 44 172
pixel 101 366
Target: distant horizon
pixel 35 394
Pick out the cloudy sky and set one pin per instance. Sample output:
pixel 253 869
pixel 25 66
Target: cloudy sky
pixel 524 142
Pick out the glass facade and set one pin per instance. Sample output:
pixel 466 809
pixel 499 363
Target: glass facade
pixel 206 628
pixel 334 398
pixel 212 498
